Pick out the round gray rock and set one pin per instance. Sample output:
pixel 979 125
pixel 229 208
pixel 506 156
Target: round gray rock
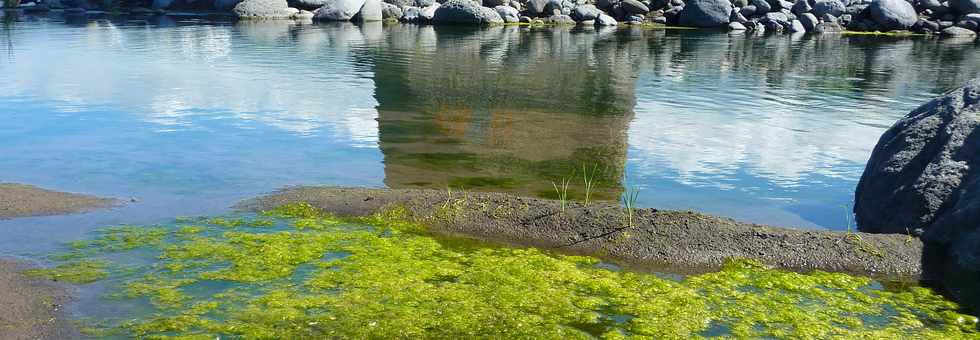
pixel 263 9
pixel 338 10
pixel 509 14
pixel 705 13
pixel 832 7
pixel 465 12
pixel 605 20
pixel 585 12
pixel 636 7
pixel 893 14
pixel 809 21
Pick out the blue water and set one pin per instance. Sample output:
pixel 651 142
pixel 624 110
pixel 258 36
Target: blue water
pixel 183 116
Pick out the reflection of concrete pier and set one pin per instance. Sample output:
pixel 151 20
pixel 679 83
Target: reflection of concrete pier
pixel 450 115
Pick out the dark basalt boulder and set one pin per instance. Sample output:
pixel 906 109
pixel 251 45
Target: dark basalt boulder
pixel 893 14
pixel 923 178
pixel 705 13
pixel 965 6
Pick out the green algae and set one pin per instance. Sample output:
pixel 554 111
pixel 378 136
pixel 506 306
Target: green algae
pixel 77 272
pixel 312 275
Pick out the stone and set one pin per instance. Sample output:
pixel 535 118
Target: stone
pixel 525 19
pixel 429 12
pixel 924 175
pixel 796 26
pixel 411 14
pixel 783 4
pixel 705 13
pixel 536 7
pixel 965 6
pixel 893 14
pixel 560 19
pixel 737 17
pixel 747 11
pixel 832 7
pixel 809 21
pixel 828 27
pixel 263 9
pixel 606 4
pixel 424 3
pixel 958 32
pixel 301 4
pixel 585 12
pixel 735 26
pixel 465 12
pixel 495 3
pixel 605 20
pixel 391 12
pixel 338 10
pixel 636 7
pixel 801 6
pixel 827 17
pixel 970 21
pixel 761 6
pixel 509 14
pixel 371 11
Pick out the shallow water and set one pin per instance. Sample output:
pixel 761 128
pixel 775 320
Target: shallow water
pixel 187 116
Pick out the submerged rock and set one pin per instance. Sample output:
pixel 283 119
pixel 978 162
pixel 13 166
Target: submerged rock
pixel 465 12
pixel 893 14
pixel 958 32
pixel 705 13
pixel 924 178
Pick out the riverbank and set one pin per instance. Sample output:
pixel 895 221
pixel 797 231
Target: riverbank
pixel 672 241
pixel 887 17
pixel 32 307
pixel 21 200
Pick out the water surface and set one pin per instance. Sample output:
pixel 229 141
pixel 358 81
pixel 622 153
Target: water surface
pixel 187 116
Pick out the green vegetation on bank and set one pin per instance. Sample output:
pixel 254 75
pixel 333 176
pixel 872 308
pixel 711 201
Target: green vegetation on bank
pixel 298 273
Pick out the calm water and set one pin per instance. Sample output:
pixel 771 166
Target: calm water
pixel 188 116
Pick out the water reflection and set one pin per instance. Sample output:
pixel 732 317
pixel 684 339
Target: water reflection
pixel 767 129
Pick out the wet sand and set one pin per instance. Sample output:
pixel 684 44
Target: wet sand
pixel 31 308
pixel 20 200
pixel 673 241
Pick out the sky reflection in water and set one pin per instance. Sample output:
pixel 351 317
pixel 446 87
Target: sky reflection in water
pixel 189 117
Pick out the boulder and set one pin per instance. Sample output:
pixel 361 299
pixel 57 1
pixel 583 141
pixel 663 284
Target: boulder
pixel 263 9
pixel 400 3
pixel 536 7
pixel 560 19
pixel 958 32
pixel 585 12
pixel 923 177
pixel 893 14
pixel 809 21
pixel 424 3
pixel 508 14
pixel 735 26
pixel 465 12
pixel 495 3
pixel 605 20
pixel 747 11
pixel 429 12
pixel 801 6
pixel 637 7
pixel 371 11
pixel 301 4
pixel 604 4
pixel 338 10
pixel 832 7
pixel 391 12
pixel 828 27
pixel 965 6
pixel 761 6
pixel 796 26
pixel 705 13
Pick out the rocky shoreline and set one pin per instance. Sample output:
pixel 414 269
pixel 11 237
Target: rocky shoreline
pixel 670 241
pixel 953 18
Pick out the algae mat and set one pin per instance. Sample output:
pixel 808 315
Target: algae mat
pixel 296 272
